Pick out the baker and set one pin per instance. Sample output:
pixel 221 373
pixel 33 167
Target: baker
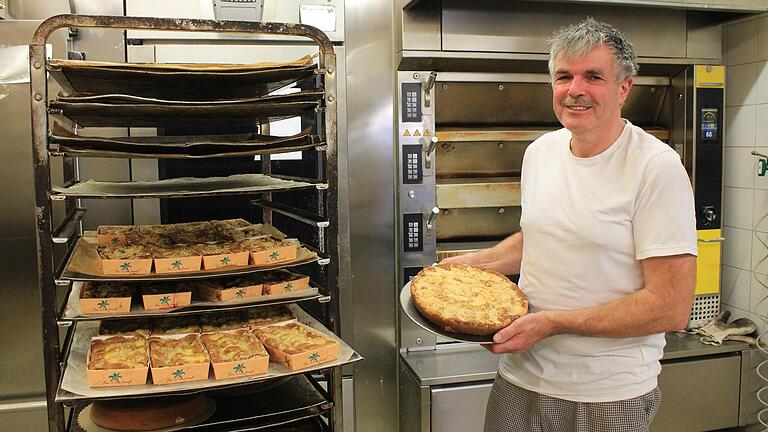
pixel 606 254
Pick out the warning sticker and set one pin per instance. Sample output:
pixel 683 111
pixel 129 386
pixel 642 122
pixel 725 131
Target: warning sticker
pixel 406 133
pixel 416 133
pixel 426 132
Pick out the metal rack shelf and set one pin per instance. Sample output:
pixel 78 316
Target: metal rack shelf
pixel 69 310
pixel 254 407
pixel 196 95
pixel 181 115
pixel 179 147
pixel 177 81
pixel 75 360
pixel 187 187
pixel 67 273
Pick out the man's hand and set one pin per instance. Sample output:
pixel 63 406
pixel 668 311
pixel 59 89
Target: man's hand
pixel 504 257
pixel 522 334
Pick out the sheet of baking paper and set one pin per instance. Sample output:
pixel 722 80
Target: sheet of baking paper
pixel 74 380
pixel 85 262
pixel 14 63
pixel 72 309
pixel 233 183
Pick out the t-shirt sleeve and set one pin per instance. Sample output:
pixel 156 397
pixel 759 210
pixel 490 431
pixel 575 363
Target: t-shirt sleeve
pixel 664 219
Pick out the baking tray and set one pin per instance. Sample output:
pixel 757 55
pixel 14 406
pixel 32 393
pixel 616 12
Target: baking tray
pixel 179 81
pixel 73 385
pixel 238 113
pixel 279 408
pixel 72 308
pixel 195 146
pixel 83 265
pixel 410 310
pixel 183 187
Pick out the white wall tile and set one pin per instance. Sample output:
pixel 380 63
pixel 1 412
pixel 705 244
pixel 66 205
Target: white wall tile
pixel 739 167
pixel 735 312
pixel 741 84
pixel 737 248
pixel 760 210
pixel 759 182
pixel 761 126
pixel 736 287
pixel 762 38
pixel 762 327
pixel 760 252
pixel 737 207
pixel 740 126
pixel 741 42
pixel 762 82
pixel 758 298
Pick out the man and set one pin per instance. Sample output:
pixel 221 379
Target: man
pixel 606 254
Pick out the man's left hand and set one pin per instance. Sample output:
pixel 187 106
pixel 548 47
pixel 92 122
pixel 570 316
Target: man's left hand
pixel 522 334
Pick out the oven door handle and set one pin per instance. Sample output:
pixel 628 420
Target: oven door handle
pixel 714 240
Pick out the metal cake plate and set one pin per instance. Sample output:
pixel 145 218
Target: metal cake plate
pixel 410 309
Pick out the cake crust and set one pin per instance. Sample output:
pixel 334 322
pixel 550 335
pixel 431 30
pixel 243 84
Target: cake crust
pixel 466 299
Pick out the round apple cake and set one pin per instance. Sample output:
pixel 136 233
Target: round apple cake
pixel 465 299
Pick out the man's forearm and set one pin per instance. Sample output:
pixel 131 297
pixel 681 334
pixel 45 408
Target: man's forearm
pixel 506 256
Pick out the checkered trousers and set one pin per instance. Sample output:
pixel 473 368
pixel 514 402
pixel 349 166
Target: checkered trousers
pixel 513 409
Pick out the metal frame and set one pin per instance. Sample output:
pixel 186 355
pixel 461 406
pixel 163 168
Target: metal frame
pixel 43 198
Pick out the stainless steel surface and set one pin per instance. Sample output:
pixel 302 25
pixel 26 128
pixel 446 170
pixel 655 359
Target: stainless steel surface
pixel 21 364
pixel 722 5
pixel 25 421
pixel 500 151
pixel 471 61
pixel 284 11
pixel 461 224
pixel 477 192
pixel 681 345
pixel 373 293
pixel 415 199
pixel 455 365
pixel 716 5
pixel 22 406
pixel 417 28
pixel 414 402
pixel 491 26
pixel 459 409
pixel 35 9
pixel 470 363
pixel 17 211
pixel 707 386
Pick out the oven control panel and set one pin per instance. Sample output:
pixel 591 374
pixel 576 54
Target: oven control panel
pixel 410 103
pixel 413 232
pixel 411 164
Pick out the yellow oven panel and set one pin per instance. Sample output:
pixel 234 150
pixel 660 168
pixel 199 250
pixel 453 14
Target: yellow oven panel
pixel 708 262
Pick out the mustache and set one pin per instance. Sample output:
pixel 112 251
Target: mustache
pixel 576 101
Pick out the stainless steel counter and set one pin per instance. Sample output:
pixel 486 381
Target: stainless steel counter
pixel 466 363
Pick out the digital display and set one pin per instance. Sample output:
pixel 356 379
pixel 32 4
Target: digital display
pixel 709 120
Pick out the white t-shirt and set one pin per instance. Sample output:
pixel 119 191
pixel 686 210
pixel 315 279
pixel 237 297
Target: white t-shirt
pixel 587 223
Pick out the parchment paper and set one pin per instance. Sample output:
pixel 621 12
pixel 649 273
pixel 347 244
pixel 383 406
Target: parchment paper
pixel 74 380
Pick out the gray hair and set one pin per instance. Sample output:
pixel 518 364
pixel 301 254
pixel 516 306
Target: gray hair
pixel 580 38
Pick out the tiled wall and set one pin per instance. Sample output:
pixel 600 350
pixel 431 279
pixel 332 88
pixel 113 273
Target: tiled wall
pixel 745 199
